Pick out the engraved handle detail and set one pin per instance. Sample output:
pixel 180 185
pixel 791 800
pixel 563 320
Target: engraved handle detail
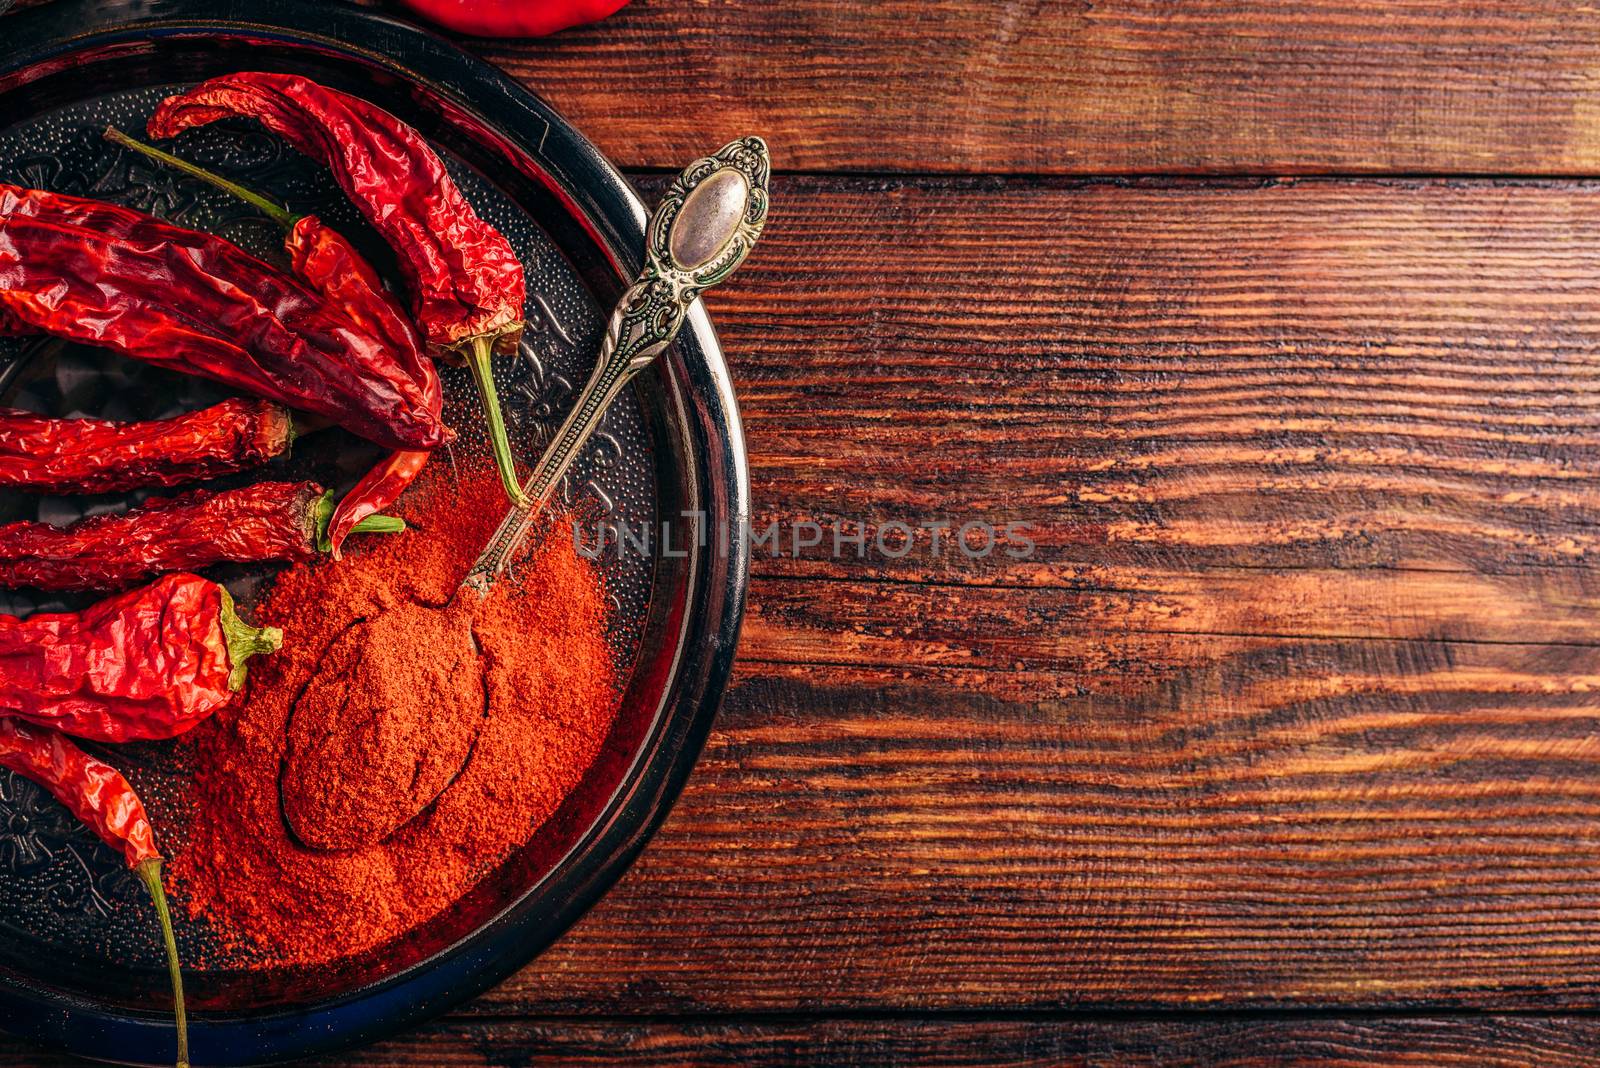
pixel 706 224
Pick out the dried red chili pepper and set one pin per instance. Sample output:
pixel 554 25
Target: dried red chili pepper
pixel 328 263
pixel 466 281
pixel 46 455
pixel 143 665
pixel 98 795
pixel 322 258
pixel 512 18
pixel 109 808
pixel 377 490
pixel 467 285
pixel 192 302
pixel 264 521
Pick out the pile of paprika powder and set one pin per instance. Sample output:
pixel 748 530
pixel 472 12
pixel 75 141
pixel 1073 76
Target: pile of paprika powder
pixel 425 775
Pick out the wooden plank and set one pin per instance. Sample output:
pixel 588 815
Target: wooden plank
pixel 1071 87
pixel 1240 416
pixel 1436 1043
pixel 1296 706
pixel 1427 1042
pixel 1213 823
pixel 1064 86
pixel 1176 376
pixel 1115 611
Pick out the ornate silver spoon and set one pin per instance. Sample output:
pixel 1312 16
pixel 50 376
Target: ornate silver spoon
pixel 702 231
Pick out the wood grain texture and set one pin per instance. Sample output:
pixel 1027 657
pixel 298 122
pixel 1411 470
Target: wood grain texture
pixel 1250 1042
pixel 1078 87
pixel 1296 703
pixel 1289 375
pixel 1295 706
pixel 1276 823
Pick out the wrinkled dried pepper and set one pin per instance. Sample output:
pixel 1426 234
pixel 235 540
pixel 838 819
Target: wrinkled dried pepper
pixel 97 794
pixel 264 521
pixel 141 666
pixel 192 302
pixel 330 264
pixel 467 285
pixel 322 258
pixel 148 664
pixel 47 455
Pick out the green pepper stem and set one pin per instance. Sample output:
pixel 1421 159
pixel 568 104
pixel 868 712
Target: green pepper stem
pixel 379 524
pixel 322 510
pixel 480 358
pixel 275 211
pixel 149 873
pixel 244 641
pixel 321 515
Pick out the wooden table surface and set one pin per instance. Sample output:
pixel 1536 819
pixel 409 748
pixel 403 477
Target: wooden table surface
pixel 1279 324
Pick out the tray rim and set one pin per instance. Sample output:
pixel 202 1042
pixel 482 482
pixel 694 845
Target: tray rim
pixel 604 200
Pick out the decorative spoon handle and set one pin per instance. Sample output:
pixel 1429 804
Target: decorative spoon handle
pixel 702 231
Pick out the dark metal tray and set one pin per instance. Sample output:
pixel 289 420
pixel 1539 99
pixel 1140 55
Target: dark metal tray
pixel 79 965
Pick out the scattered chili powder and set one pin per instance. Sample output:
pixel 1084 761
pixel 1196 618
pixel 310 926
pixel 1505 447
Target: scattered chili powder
pixel 425 770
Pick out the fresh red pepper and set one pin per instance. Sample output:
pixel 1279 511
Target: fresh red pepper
pixel 467 285
pixel 264 521
pixel 143 665
pixel 192 302
pixel 512 18
pixel 98 795
pixel 322 258
pixel 46 455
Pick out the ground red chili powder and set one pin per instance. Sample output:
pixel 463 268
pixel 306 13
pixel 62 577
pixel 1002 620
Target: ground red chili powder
pixel 403 742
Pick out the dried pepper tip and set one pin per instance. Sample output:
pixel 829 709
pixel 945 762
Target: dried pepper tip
pixel 149 873
pixel 273 210
pixel 279 430
pixel 244 641
pixel 480 361
pixel 322 510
